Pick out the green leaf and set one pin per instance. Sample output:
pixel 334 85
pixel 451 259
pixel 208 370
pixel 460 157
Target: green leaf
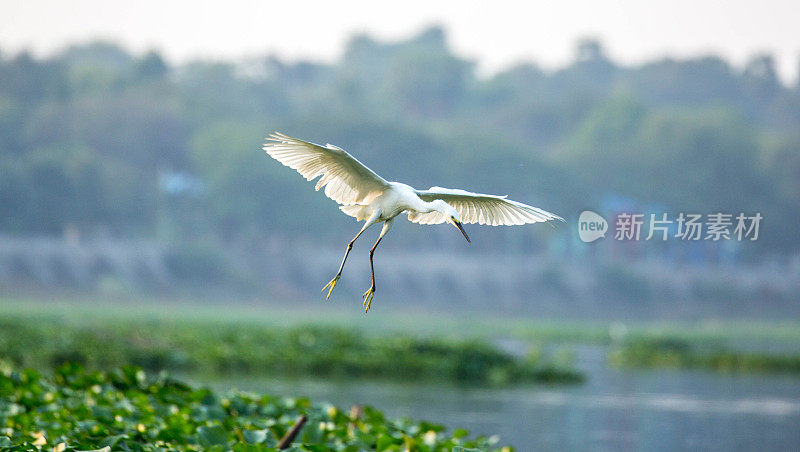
pixel 212 436
pixel 384 441
pixel 6 386
pixel 315 448
pixel 255 436
pixel 8 409
pixel 241 447
pixel 103 413
pixel 112 441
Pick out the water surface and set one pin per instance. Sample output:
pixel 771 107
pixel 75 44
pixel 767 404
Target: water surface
pixel 613 410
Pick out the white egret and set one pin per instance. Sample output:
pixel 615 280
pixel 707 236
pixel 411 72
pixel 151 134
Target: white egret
pixel 370 198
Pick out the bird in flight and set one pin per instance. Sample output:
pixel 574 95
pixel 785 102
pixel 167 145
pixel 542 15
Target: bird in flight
pixel 368 197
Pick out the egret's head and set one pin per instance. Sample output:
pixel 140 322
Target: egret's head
pixel 451 216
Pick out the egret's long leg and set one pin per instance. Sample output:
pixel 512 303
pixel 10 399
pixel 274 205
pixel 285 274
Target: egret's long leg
pixel 332 283
pixel 370 293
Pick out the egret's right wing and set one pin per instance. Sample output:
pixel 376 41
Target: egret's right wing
pixel 482 209
pixel 346 180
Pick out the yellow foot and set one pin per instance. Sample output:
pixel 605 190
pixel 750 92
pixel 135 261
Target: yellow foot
pixel 331 284
pixel 368 298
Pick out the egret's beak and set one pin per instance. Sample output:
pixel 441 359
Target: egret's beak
pixel 461 228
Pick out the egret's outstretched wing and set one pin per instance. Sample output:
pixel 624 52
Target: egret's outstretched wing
pixel 479 208
pixel 346 180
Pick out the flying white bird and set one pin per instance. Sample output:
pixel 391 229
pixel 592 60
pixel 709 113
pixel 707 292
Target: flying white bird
pixel 368 197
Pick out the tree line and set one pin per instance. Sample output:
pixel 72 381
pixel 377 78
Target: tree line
pixel 103 141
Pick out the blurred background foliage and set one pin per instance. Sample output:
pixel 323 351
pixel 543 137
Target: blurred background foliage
pixel 99 140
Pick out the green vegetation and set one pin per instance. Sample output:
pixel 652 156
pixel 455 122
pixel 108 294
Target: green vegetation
pixel 454 325
pixel 677 353
pixel 230 348
pixel 124 410
pixel 204 338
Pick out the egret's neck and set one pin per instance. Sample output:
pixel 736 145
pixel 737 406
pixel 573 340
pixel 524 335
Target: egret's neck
pixel 437 205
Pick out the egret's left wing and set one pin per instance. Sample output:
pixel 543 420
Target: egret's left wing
pixel 346 180
pixel 479 208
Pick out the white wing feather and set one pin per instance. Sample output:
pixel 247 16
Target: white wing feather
pixel 346 180
pixel 479 208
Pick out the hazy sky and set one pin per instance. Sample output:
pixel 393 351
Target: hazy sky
pixel 496 33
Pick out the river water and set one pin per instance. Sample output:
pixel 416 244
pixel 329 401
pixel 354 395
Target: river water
pixel 614 410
